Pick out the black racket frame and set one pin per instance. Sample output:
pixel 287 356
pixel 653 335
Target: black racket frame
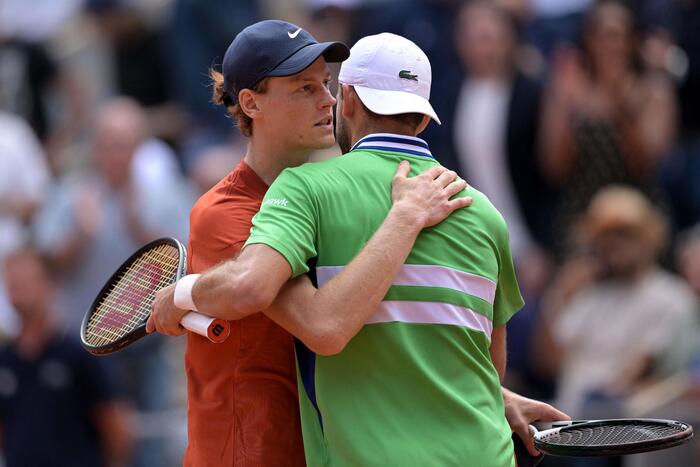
pixel 678 439
pixel 140 330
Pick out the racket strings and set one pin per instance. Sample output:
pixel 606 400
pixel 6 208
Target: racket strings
pixel 133 286
pixel 612 434
pixel 121 309
pixel 127 303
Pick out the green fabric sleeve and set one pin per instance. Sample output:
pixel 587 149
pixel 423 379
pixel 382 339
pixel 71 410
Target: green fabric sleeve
pixel 287 220
pixel 508 299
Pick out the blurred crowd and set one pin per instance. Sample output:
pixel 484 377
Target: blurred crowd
pixel 579 119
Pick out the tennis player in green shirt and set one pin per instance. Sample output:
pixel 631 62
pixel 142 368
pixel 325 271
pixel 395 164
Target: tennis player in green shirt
pixel 417 380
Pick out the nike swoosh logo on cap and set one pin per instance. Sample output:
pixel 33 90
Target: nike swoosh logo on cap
pixel 294 34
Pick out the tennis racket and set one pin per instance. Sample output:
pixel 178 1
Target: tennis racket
pixel 119 313
pixel 615 437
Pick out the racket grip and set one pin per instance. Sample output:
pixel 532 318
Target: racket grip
pixel 215 329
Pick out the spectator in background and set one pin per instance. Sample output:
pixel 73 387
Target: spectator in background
pixel 196 33
pixel 24 176
pixel 684 354
pixel 611 313
pixel 94 221
pixel 138 60
pixel 493 135
pixel 605 120
pixel 494 129
pixel 58 406
pixel 29 79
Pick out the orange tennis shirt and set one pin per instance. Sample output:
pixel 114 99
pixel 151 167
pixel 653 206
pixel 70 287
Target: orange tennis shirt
pixel 242 405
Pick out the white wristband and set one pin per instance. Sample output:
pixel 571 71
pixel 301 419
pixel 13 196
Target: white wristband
pixel 183 292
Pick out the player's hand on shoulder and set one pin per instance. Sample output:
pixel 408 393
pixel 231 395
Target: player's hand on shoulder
pixel 428 194
pixel 165 316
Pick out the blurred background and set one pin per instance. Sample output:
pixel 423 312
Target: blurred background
pixel 580 119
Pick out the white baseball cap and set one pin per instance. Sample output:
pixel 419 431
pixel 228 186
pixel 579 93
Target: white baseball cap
pixel 390 74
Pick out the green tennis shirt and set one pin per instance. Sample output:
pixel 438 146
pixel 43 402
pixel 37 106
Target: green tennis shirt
pixel 416 386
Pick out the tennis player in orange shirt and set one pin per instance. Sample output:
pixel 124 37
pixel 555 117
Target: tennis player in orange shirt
pixel 242 394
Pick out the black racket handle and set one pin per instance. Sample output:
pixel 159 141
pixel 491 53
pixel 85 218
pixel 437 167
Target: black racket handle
pixel 522 455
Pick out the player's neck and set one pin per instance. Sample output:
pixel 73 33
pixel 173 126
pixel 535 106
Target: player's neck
pixel 268 159
pixel 368 129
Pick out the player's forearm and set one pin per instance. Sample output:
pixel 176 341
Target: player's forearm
pixel 342 305
pixel 241 287
pixel 223 292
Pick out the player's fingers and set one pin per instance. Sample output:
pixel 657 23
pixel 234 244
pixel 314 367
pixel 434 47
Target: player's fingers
pixel 433 172
pixel 403 169
pixel 455 187
pixel 150 324
pixel 459 203
pixel 445 178
pixel 549 413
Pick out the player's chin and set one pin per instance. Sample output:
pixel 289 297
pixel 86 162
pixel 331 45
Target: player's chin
pixel 323 137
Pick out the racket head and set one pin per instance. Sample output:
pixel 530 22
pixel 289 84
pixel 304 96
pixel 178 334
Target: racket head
pixel 118 315
pixel 614 437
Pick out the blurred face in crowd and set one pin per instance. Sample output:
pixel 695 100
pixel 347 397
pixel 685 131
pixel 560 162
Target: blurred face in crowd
pixel 485 40
pixel 623 251
pixel 28 284
pixel 608 37
pixel 119 132
pixel 297 108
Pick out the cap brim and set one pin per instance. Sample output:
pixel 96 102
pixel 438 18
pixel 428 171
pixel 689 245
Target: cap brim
pixel 303 58
pixel 395 102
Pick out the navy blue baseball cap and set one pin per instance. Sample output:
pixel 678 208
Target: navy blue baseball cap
pixel 273 48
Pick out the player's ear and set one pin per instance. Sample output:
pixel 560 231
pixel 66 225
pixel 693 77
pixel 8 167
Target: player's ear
pixel 423 123
pixel 248 103
pixel 347 102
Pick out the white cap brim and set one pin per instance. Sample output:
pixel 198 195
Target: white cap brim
pixel 384 102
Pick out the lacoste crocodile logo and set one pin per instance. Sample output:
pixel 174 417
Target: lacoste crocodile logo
pixel 406 74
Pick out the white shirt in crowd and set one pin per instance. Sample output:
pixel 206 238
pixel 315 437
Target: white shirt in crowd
pixel 481 123
pixel 608 326
pixel 24 177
